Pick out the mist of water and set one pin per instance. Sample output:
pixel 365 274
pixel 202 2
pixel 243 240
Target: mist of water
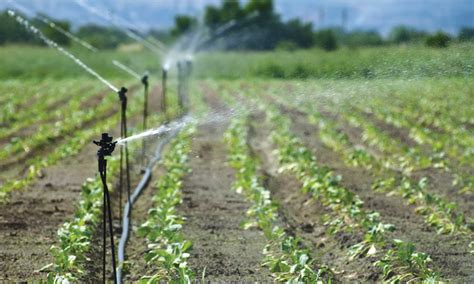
pixel 126 69
pixel 146 43
pixel 53 44
pixel 53 26
pixel 213 117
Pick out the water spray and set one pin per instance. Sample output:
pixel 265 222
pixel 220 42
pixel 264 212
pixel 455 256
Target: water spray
pixel 53 44
pixel 54 26
pixel 124 150
pixel 106 148
pixel 133 35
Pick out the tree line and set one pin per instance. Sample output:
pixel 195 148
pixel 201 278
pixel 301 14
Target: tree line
pixel 234 26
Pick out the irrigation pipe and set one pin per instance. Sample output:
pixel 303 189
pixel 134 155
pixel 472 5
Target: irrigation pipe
pixel 143 183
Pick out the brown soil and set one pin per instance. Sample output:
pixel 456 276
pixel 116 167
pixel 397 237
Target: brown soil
pixel 29 222
pixel 221 248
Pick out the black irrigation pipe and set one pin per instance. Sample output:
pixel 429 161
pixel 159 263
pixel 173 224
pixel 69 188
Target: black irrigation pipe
pixel 136 194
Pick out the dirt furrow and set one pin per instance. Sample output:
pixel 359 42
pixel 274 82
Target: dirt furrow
pixel 221 248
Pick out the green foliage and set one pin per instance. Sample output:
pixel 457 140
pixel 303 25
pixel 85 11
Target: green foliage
pixel 346 206
pixel 326 39
pixel 404 34
pixel 52 33
pixel 439 40
pixel 168 250
pixel 285 255
pixel 183 24
pixel 466 34
pixel 12 32
pixel 102 37
pixel 360 38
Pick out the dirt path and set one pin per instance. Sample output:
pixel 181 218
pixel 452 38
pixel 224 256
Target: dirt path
pixel 214 213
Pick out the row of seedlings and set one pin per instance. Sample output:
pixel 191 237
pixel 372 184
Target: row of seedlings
pixel 285 255
pixel 398 260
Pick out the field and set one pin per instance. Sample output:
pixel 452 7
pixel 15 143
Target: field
pixel 307 166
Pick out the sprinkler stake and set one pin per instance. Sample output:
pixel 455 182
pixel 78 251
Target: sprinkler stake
pixel 106 148
pixel 145 115
pixel 180 85
pixel 124 150
pixel 163 89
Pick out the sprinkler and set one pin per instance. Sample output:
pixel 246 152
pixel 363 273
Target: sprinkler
pixel 180 85
pixel 163 89
pixel 145 113
pixel 123 151
pixel 106 148
pixel 144 80
pixel 189 68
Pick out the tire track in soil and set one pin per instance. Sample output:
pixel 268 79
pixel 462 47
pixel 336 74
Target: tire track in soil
pixel 450 254
pixel 29 222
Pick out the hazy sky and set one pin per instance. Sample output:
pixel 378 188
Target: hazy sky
pixel 382 15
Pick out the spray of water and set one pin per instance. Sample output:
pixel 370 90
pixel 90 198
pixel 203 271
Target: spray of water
pixel 157 131
pixel 53 26
pixel 133 35
pixel 126 69
pixel 53 44
pixel 218 116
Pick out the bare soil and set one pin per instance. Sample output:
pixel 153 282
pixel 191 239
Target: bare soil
pixel 222 250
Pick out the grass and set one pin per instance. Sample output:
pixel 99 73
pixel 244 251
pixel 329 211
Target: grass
pixel 364 63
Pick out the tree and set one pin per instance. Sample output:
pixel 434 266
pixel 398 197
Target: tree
pixel 326 39
pixel 52 33
pixel 404 34
pixel 102 37
pixel 183 24
pixel 466 34
pixel 263 7
pixel 12 32
pixel 438 40
pixel 362 38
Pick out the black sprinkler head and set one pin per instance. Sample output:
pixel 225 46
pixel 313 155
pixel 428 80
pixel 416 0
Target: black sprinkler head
pixel 106 145
pixel 122 93
pixel 145 80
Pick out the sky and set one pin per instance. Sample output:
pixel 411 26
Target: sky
pixel 380 15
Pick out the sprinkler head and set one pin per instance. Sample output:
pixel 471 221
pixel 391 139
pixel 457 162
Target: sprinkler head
pixel 145 80
pixel 106 145
pixel 122 93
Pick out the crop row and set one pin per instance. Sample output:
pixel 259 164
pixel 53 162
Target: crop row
pixel 167 249
pixel 285 256
pixel 75 236
pixel 73 117
pixel 47 109
pixel 393 168
pixel 398 259
pixel 71 146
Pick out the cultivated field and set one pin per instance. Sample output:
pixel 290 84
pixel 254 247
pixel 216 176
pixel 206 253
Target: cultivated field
pixel 315 167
